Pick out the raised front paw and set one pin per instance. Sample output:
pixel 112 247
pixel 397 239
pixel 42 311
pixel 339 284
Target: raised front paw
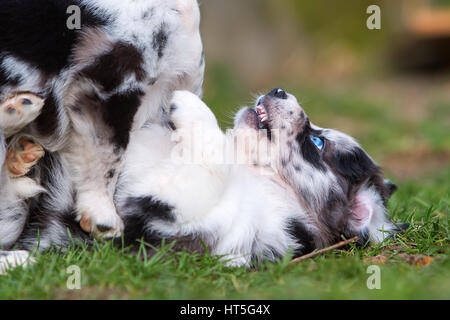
pixel 187 111
pixel 18 111
pixel 97 216
pixel 22 156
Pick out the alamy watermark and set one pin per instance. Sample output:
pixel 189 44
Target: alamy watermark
pixel 74 279
pixel 374 281
pixel 74 20
pixel 374 20
pixel 200 145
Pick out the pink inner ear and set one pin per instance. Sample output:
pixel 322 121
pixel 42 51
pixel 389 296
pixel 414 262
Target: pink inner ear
pixel 362 210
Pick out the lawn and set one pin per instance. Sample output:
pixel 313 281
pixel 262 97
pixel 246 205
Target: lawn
pixel 391 137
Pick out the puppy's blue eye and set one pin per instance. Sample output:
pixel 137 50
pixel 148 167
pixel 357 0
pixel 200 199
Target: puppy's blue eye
pixel 318 142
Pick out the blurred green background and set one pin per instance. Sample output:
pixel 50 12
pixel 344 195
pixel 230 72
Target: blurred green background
pixel 389 88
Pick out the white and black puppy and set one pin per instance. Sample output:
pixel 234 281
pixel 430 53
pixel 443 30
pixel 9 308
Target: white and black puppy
pixel 99 83
pixel 312 187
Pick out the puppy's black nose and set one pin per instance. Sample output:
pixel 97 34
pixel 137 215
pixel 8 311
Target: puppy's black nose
pixel 278 93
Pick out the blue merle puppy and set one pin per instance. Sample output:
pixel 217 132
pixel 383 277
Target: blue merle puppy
pixel 288 186
pixel 99 83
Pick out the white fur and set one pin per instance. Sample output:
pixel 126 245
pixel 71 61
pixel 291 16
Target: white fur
pixel 12 259
pixel 13 122
pixel 377 224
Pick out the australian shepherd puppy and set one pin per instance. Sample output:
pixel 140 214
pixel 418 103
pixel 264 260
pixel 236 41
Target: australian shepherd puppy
pixel 99 80
pixel 288 186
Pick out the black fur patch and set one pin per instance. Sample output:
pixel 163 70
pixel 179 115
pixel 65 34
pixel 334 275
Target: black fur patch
pixel 160 39
pixel 355 166
pixel 309 151
pixel 148 13
pixel 139 212
pixel 335 215
pixel 150 208
pixel 110 174
pixel 304 238
pixel 118 113
pixel 47 121
pixel 5 79
pixel 103 228
pixel 363 238
pixel 36 31
pixel 46 222
pixel 110 69
pixel 3 75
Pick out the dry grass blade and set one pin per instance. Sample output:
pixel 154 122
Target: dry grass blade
pixel 319 252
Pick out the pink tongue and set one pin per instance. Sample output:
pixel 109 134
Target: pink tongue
pixel 260 110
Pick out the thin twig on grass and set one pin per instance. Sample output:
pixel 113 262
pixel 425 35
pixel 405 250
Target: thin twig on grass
pixel 318 252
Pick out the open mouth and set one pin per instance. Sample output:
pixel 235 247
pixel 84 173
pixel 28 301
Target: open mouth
pixel 263 116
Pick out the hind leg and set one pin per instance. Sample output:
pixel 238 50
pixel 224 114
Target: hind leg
pixel 19 111
pixel 13 191
pixel 22 156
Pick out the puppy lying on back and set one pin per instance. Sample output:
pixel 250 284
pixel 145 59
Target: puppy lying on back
pixel 294 188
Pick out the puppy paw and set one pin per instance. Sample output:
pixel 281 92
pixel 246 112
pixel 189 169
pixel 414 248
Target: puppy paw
pixel 22 156
pixel 18 111
pixel 188 111
pixel 97 216
pixel 104 227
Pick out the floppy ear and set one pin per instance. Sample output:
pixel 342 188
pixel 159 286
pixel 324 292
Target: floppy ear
pixel 362 209
pixel 390 187
pixel 355 165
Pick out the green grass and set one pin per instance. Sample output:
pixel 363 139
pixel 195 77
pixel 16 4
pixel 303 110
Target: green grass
pixel 108 272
